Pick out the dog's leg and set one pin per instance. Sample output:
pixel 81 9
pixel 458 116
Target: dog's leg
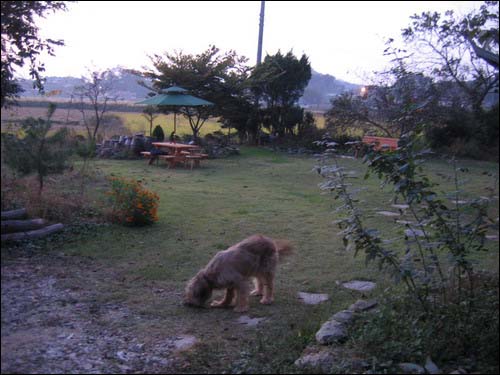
pixel 242 297
pixel 226 301
pixel 268 297
pixel 258 287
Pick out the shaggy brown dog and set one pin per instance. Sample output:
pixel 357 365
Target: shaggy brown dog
pixel 256 256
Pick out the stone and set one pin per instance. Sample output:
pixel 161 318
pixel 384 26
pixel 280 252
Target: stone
pixel 459 371
pixel 388 213
pixel 404 222
pixel 411 368
pixel 184 342
pixel 459 202
pixel 323 361
pixel 414 233
pixel 362 305
pixel 344 316
pixel 400 206
pixel 312 298
pixel 250 322
pixel 431 367
pixel 331 331
pixel 360 286
pixel 122 355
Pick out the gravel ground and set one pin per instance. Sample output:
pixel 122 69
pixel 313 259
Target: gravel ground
pixel 53 322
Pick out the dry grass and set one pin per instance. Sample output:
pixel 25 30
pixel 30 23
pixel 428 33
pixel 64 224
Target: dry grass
pixel 131 122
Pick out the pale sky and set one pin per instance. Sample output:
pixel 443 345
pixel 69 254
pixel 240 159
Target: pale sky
pixel 344 39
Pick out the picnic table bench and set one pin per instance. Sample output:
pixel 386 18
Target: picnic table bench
pixel 380 143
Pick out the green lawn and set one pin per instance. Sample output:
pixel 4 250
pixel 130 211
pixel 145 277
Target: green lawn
pixel 208 209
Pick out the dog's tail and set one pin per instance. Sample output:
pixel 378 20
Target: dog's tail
pixel 283 247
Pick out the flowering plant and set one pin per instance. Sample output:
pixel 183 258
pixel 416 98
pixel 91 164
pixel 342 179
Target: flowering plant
pixel 132 203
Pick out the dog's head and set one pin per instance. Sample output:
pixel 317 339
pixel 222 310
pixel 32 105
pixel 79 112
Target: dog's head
pixel 198 291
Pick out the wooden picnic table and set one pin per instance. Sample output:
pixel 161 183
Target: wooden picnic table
pixel 178 152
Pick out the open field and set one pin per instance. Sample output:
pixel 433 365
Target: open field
pixel 129 122
pixel 141 273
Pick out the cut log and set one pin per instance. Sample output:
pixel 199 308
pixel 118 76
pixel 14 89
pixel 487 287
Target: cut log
pixel 30 235
pixel 14 214
pixel 11 226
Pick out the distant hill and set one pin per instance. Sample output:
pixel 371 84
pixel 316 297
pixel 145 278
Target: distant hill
pixel 126 87
pixel 323 87
pixel 317 95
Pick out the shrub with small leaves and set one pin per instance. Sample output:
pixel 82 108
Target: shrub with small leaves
pixel 132 204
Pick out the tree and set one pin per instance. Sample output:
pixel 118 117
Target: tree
pixel 204 75
pixel 96 91
pixel 37 151
pixel 21 43
pixel 150 114
pixel 461 55
pixel 480 29
pixel 446 47
pixel 279 82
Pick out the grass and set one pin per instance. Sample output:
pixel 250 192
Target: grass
pixel 206 210
pixel 135 122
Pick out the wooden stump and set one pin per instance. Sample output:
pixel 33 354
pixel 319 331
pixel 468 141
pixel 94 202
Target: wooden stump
pixel 17 230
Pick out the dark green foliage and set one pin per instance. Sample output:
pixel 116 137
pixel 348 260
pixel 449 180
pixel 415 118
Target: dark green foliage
pixel 464 135
pixel 21 42
pixel 84 147
pixel 158 133
pixel 37 151
pixel 454 335
pixel 444 229
pixel 279 82
pixel 447 302
pixel 209 75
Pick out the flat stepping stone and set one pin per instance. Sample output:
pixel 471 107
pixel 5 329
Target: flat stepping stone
pixel 400 206
pixel 362 305
pixel 388 213
pixel 411 368
pixel 491 237
pixel 404 222
pixel 458 202
pixel 184 342
pixel 331 331
pixel 312 298
pixel 360 286
pixel 249 322
pixel 431 367
pixel 414 233
pixel 344 316
pixel 322 360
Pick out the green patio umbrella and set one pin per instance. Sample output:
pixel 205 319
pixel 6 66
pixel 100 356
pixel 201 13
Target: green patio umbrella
pixel 175 97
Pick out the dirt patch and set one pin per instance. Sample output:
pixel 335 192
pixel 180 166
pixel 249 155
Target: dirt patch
pixel 54 320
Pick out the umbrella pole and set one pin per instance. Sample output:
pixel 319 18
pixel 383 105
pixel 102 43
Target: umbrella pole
pixel 175 124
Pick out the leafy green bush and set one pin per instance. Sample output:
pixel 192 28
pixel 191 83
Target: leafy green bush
pixel 34 150
pixel 463 135
pixel 453 334
pixel 132 204
pixel 447 310
pixel 435 227
pixel 158 133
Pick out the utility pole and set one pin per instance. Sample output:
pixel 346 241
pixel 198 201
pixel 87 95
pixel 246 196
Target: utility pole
pixel 259 60
pixel 261 32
